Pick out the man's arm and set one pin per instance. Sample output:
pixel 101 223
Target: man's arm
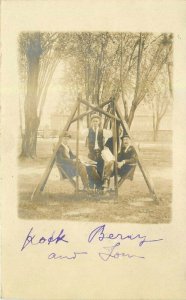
pixel 128 161
pixel 72 155
pixel 133 157
pixel 107 133
pixel 61 155
pixel 83 131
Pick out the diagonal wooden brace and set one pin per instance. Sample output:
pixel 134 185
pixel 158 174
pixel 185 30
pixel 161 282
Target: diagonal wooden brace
pixel 90 110
pixel 40 187
pixel 97 108
pixel 145 174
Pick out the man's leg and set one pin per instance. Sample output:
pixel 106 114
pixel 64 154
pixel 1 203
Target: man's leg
pixel 83 174
pixel 94 177
pixel 127 171
pixel 108 170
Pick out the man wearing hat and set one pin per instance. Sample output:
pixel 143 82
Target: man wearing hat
pixel 96 139
pixel 66 160
pixel 126 160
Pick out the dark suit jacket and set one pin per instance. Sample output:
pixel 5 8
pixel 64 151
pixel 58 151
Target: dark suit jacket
pixel 129 156
pixel 63 155
pixel 91 143
pixel 64 162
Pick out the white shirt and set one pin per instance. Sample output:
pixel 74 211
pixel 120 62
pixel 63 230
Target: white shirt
pixel 96 140
pixel 107 133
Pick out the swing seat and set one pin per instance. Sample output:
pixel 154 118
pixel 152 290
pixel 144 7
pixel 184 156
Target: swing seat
pixel 63 175
pixel 129 175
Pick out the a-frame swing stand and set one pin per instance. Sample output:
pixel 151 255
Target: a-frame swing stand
pixel 116 117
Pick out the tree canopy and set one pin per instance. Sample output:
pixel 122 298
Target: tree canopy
pixel 99 65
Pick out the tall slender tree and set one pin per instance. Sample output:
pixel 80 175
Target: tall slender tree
pixel 38 61
pixel 151 59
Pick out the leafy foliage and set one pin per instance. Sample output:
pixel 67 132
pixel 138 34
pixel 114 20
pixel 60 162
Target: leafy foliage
pixel 99 65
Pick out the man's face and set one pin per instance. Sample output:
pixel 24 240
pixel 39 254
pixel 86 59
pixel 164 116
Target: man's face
pixel 65 140
pixel 126 142
pixel 95 123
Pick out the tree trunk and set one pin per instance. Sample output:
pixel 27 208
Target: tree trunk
pixel 135 101
pixel 87 88
pixel 131 115
pixel 29 141
pixel 31 101
pixel 156 129
pixel 121 82
pixel 155 134
pixel 169 69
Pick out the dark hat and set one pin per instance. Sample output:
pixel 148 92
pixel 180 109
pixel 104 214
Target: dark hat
pixel 67 134
pixel 95 116
pixel 125 136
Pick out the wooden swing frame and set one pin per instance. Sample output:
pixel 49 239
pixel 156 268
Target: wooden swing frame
pixel 115 116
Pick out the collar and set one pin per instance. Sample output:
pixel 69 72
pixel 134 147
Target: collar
pixel 95 130
pixel 127 148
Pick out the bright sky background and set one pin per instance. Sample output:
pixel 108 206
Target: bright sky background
pixel 54 95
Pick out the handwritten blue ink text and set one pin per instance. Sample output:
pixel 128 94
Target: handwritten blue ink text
pixel 32 240
pixel 99 233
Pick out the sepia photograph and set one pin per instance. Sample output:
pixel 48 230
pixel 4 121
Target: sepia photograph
pixel 93 150
pixel 95 126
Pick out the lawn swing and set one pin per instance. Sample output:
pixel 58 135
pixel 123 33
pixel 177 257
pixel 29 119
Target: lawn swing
pixel 114 118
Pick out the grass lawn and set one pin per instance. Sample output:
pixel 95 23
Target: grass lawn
pixel 132 206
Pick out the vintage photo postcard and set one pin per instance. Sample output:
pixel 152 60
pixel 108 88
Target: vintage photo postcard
pixel 93 150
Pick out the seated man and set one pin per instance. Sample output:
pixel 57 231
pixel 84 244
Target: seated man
pixel 127 158
pixel 95 140
pixel 66 160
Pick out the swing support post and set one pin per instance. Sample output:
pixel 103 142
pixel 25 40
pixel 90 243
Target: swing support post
pixel 115 116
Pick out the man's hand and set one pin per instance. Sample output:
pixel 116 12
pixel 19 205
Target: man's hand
pixel 74 160
pixel 120 164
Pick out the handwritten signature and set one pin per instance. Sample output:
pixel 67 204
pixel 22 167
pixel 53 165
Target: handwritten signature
pixel 53 255
pixel 106 255
pixel 99 233
pixel 110 252
pixel 32 240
